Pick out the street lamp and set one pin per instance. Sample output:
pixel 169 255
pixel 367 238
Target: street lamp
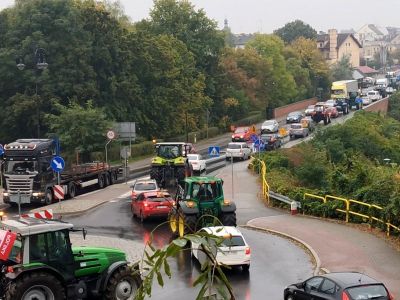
pixel 40 64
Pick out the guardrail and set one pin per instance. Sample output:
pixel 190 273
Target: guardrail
pixel 373 214
pixel 212 164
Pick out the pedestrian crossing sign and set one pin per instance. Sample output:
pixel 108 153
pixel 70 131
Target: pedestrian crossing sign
pixel 213 151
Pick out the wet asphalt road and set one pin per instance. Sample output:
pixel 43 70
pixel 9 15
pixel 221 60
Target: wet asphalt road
pixel 276 262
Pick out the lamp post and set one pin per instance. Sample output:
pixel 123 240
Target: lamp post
pixel 40 64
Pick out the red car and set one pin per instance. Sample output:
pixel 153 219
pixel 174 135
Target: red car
pixel 243 134
pixel 333 111
pixel 149 204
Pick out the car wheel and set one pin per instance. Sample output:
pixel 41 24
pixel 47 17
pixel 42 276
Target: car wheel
pixel 245 268
pixel 133 214
pixel 289 297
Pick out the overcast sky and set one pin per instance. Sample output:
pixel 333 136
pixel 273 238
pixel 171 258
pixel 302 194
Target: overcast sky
pixel 246 16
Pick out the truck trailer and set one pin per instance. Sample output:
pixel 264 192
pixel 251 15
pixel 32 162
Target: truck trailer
pixel 29 178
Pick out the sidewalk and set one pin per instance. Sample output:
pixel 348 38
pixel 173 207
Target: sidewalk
pixel 341 247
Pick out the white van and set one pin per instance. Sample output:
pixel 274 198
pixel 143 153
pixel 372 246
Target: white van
pixel 374 95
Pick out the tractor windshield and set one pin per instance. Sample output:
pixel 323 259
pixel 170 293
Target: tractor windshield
pixel 205 191
pixel 169 151
pixel 16 251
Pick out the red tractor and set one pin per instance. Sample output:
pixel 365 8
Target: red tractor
pixel 321 113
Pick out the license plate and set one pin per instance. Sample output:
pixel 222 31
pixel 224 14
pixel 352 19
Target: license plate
pixel 162 206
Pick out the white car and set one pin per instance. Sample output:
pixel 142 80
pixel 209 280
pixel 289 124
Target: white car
pixel 197 162
pixel 238 150
pixel 309 110
pixel 233 251
pixel 330 102
pixel 365 99
pixel 374 95
pixel 143 185
pixel 270 126
pixel 390 90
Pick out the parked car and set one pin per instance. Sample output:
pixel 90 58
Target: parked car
pixel 374 95
pixel 294 117
pixel 233 251
pixel 143 185
pixel 243 134
pixel 296 130
pixel 340 286
pixel 309 110
pixel 197 162
pixel 270 126
pixel 149 204
pixel 271 141
pixel 238 150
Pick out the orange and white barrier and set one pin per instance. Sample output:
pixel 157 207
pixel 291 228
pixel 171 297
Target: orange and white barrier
pixel 44 214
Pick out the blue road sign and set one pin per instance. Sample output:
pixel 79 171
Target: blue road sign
pixel 213 151
pixel 1 149
pixel 57 163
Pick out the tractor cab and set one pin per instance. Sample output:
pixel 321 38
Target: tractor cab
pixel 200 202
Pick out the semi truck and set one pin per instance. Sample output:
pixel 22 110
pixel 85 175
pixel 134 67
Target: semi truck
pixel 345 92
pixel 29 178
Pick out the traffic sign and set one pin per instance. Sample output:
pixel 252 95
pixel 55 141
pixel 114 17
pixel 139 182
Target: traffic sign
pixel 58 192
pixel 213 151
pixel 1 149
pixel 111 134
pixel 57 163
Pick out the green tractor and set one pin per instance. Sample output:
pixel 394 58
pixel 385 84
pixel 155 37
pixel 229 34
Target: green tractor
pixel 42 265
pixel 171 164
pixel 198 201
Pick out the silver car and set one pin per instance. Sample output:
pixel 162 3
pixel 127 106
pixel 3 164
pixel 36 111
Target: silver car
pixel 296 129
pixel 238 150
pixel 270 126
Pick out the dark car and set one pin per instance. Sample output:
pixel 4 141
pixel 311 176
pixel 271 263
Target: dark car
pixel 271 141
pixel 338 286
pixel 294 117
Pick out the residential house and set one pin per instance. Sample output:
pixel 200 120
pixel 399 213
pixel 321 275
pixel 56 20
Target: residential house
pixel 334 46
pixel 370 32
pixel 364 72
pixel 240 40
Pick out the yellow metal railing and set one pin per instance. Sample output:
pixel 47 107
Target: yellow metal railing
pixel 373 210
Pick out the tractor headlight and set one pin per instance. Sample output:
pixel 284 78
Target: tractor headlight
pixel 190 204
pixel 227 202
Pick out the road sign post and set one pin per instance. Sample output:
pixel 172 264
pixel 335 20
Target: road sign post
pixel 58 164
pixel 1 165
pixel 111 135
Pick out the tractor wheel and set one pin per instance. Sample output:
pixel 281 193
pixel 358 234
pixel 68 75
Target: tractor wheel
pixel 48 198
pixel 186 223
pixel 329 120
pixel 173 221
pixel 122 285
pixel 71 190
pixel 36 285
pixel 155 173
pixel 228 219
pixel 326 120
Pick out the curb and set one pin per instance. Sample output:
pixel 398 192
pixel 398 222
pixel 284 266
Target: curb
pixel 318 269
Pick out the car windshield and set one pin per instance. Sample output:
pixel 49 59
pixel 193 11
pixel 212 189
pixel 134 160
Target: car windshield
pixel 169 151
pixel 268 123
pixel 375 291
pixel 233 241
pixel 18 167
pixel 155 198
pixel 371 93
pixel 293 114
pixel 241 130
pixel 267 137
pixel 193 157
pixel 234 146
pixel 296 126
pixel 145 186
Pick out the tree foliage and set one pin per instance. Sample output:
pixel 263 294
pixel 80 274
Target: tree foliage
pixel 342 70
pixel 293 30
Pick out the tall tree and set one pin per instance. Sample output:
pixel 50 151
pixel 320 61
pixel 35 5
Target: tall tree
pixel 293 30
pixel 279 82
pixel 342 70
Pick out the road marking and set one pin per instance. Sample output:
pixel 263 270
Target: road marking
pixel 125 195
pixel 112 201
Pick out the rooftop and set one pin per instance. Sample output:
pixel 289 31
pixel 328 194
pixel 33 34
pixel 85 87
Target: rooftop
pixel 30 226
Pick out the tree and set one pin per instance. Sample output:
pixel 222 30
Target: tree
pixel 293 30
pixel 79 127
pixel 312 60
pixel 342 70
pixel 279 82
